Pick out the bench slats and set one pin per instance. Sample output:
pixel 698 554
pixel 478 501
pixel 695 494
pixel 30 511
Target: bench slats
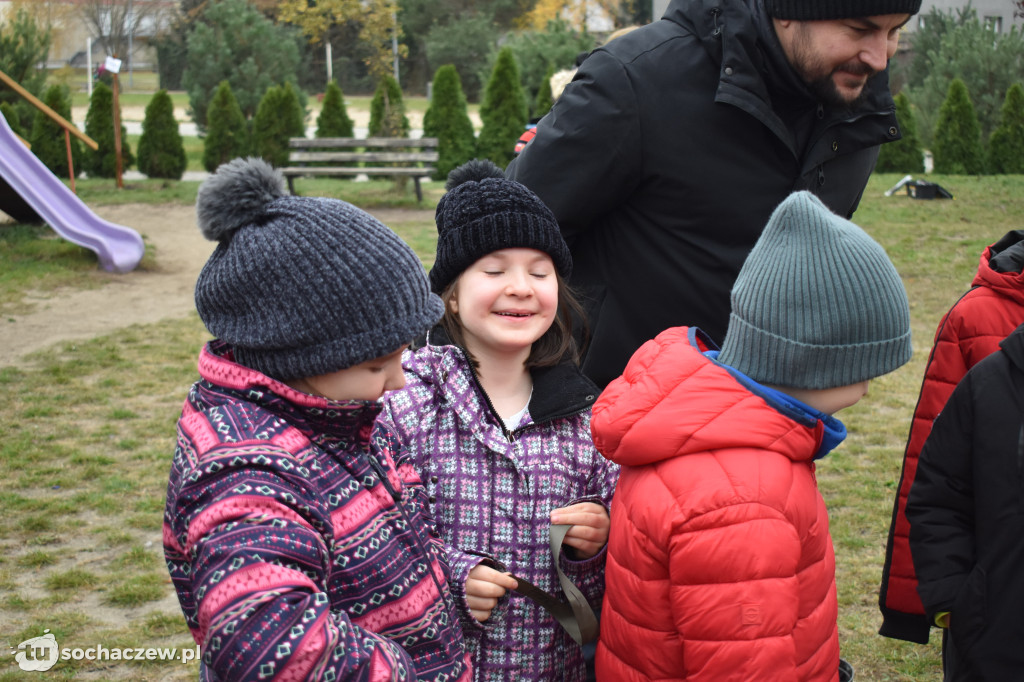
pixel 386 150
pixel 350 142
pixel 353 170
pixel 339 157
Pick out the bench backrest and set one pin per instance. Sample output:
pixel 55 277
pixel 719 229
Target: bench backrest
pixel 367 150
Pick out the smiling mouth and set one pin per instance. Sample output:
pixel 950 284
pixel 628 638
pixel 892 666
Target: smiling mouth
pixel 514 314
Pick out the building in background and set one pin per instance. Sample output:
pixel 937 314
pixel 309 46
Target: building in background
pixel 997 14
pixel 75 23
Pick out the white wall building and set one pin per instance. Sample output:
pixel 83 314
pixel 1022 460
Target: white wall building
pixel 996 13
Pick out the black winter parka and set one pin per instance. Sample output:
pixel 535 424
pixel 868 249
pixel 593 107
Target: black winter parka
pixel 966 514
pixel 666 155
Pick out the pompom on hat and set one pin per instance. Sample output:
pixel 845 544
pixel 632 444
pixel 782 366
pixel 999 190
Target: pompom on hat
pixel 482 212
pixel 817 303
pixel 821 10
pixel 303 286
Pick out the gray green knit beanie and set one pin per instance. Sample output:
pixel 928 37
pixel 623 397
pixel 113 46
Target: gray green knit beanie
pixel 483 212
pixel 817 303
pixel 818 10
pixel 303 286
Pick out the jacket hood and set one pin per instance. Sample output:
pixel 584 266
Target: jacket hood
pixel 673 401
pixel 1001 267
pixel 1013 346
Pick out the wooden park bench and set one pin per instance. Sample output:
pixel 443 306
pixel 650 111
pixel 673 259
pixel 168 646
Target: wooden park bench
pixel 347 156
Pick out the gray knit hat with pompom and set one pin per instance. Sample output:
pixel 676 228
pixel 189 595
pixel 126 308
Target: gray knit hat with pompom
pixel 817 303
pixel 303 286
pixel 482 212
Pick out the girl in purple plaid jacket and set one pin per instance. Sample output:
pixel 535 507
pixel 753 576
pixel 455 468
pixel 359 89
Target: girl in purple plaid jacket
pixel 496 415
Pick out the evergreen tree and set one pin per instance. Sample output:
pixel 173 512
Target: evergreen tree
pixel 99 125
pixel 503 111
pixel 542 104
pixel 387 110
pixel 1006 145
pixel 278 118
pixel 957 146
pixel 905 155
pixel 234 41
pixel 12 118
pixel 227 133
pixel 447 119
pixel 24 44
pixel 47 137
pixel 161 151
pixel 333 120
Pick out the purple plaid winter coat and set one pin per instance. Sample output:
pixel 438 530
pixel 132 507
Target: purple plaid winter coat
pixel 492 493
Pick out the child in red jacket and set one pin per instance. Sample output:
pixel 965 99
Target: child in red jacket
pixel 969 332
pixel 720 564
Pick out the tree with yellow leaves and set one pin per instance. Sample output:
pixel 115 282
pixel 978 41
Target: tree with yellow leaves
pixel 376 19
pixel 579 12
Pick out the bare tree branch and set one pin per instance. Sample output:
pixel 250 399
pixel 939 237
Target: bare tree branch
pixel 116 23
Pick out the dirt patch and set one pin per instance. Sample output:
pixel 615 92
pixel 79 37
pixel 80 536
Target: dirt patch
pixel 138 297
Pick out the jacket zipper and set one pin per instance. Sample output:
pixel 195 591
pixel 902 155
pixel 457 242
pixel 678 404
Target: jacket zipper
pixel 397 497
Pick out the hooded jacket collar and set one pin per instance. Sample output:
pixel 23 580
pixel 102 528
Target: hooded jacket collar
pixel 1001 267
pixel 674 401
pixel 739 36
pixel 331 424
pixel 559 391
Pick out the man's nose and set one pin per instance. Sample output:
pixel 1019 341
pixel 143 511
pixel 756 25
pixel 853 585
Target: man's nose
pixel 878 50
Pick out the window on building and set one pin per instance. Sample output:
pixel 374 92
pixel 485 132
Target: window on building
pixel 994 24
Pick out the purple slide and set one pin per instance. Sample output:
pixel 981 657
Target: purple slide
pixel 119 248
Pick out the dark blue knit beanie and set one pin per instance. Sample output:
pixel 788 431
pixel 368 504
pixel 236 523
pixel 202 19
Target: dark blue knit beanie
pixel 483 212
pixel 817 303
pixel 303 286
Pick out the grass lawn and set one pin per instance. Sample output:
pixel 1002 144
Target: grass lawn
pixel 86 436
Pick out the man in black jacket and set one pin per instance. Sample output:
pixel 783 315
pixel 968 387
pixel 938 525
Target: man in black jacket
pixel 665 156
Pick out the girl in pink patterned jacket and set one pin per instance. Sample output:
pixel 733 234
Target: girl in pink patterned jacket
pixel 294 531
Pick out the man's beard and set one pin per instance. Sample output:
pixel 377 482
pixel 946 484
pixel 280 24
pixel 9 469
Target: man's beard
pixel 825 89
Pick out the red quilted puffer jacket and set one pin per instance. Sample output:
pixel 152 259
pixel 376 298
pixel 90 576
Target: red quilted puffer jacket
pixel 720 565
pixel 969 332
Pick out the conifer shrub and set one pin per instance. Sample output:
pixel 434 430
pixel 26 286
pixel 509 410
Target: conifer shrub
pixel 161 151
pixel 387 110
pixel 447 119
pixel 47 136
pixel 227 133
pixel 906 154
pixel 333 120
pixel 279 117
pixel 544 100
pixel 503 111
pixel 957 145
pixel 1006 144
pixel 99 125
pixel 13 120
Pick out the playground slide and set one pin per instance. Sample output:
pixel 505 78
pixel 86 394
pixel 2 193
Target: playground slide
pixel 119 248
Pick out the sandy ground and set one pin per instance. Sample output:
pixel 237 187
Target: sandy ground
pixel 138 297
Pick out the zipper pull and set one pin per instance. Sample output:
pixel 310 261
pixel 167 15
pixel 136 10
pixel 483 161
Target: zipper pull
pixel 382 475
